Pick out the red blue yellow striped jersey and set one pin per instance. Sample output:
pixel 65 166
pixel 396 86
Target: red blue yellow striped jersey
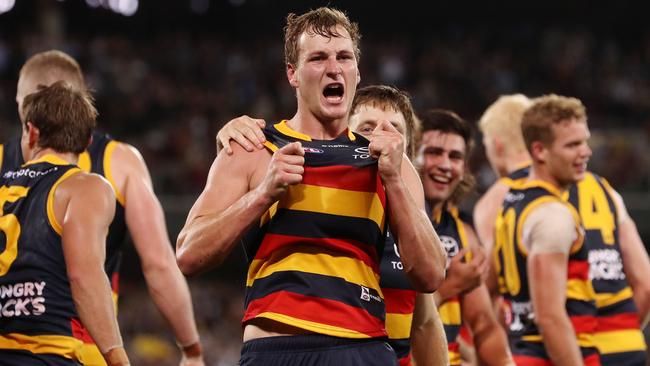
pixel 314 259
pixel 618 335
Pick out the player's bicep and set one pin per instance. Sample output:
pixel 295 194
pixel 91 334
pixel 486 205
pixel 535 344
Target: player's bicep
pixel 228 180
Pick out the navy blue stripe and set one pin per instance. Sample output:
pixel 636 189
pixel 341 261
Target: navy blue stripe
pixel 580 308
pixel 625 306
pixel 310 284
pixel 637 358
pixel 451 331
pixel 402 347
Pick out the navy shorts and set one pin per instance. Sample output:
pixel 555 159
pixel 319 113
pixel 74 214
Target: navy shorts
pixel 317 350
pixel 25 358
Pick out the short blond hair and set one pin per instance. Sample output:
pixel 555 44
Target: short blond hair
pixel 546 111
pixel 503 119
pixel 51 66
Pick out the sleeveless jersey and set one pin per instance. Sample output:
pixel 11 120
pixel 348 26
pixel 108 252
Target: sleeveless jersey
pixel 314 259
pixel 399 297
pixel 37 310
pixel 451 232
pixel 511 253
pixel 95 159
pixel 516 176
pixel 618 335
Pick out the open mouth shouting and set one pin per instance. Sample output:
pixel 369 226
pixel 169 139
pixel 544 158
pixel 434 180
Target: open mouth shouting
pixel 334 92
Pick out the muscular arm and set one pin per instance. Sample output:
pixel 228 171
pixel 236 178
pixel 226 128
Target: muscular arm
pixel 420 249
pixel 485 213
pixel 234 198
pixel 146 222
pixel 428 340
pixel 84 205
pixel 549 242
pixel 635 259
pixel 489 337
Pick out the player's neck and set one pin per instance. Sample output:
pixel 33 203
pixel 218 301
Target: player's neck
pixel 541 173
pixel 40 152
pixel 517 161
pixel 316 128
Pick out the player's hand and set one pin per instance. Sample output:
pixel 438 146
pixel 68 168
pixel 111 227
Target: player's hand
pixel 463 277
pixel 245 131
pixel 387 146
pixel 192 361
pixel 285 169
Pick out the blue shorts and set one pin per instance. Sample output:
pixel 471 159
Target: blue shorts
pixel 317 350
pixel 24 358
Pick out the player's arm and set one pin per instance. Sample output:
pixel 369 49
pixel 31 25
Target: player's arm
pixel 421 252
pixel 84 205
pixel 489 337
pixel 549 233
pixel 230 203
pixel 146 222
pixel 635 259
pixel 428 340
pixel 245 131
pixel 485 213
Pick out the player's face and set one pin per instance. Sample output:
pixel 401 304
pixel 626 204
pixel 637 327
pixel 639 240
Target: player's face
pixel 26 85
pixel 326 75
pixel 568 154
pixel 366 117
pixel 442 156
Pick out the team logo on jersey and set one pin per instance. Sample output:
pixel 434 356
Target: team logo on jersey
pixel 362 153
pixel 513 197
pixel 313 150
pixel 605 264
pixel 450 244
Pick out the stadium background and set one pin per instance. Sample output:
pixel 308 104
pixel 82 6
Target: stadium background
pixel 169 75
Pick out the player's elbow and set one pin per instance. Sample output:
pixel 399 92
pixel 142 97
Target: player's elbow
pixel 428 280
pixel 188 264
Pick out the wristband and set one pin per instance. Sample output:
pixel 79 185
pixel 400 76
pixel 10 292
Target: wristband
pixel 116 357
pixel 191 350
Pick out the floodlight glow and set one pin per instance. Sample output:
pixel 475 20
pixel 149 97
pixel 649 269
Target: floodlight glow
pixel 6 5
pixel 93 3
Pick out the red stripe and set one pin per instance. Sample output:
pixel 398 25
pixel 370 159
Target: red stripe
pixel 115 282
pixel 522 360
pixel 317 310
pixel 466 335
pixel 453 347
pixel 584 324
pixel 405 361
pixel 365 253
pixel 618 322
pixel 578 270
pixel 79 332
pixel 342 177
pixel 399 301
pixel 592 360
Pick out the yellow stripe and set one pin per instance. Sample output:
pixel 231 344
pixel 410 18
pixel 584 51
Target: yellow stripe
pixel 67 347
pixel 270 146
pixel 50 200
pixel 333 201
pixel 288 131
pixel 91 356
pixel 454 358
pixel 108 173
pixel 584 339
pixel 48 158
pixel 580 290
pixel 313 326
pixel 268 215
pixel 84 162
pixel 607 299
pixel 2 150
pixel 351 270
pixel 450 313
pixel 398 326
pixel 620 341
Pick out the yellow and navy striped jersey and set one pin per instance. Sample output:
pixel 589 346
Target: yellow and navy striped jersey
pixel 38 313
pixel 618 335
pixel 314 259
pixel 450 229
pixel 511 255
